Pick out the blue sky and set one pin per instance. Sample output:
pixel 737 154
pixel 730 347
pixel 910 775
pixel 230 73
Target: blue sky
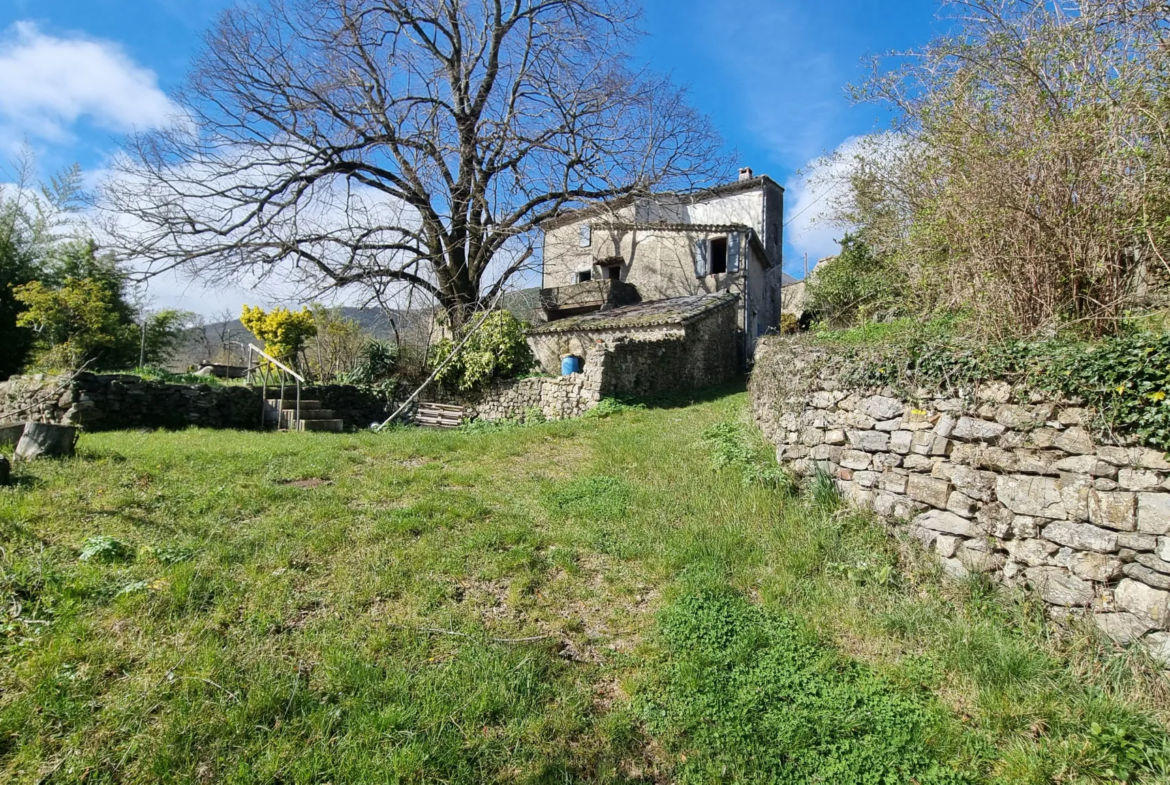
pixel 75 75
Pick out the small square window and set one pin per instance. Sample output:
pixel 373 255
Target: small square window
pixel 612 272
pixel 582 276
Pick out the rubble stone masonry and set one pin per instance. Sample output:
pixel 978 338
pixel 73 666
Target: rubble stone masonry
pixel 995 480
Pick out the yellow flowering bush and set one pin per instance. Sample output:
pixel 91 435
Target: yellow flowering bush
pixel 284 332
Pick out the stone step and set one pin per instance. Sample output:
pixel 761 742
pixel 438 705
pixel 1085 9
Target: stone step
pixel 326 426
pixel 291 403
pixel 288 416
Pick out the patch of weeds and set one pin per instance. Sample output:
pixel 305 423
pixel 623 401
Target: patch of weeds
pixel 598 497
pixel 732 448
pixel 822 491
pixel 106 549
pixel 752 695
pixel 608 407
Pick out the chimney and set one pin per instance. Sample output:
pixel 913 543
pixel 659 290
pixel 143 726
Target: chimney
pixel 746 174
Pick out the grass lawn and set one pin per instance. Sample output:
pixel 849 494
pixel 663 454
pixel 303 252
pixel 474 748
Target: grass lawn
pixel 633 598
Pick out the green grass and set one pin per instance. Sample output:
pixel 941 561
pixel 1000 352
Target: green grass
pixel 636 597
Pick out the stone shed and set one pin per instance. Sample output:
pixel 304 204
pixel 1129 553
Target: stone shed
pixel 681 343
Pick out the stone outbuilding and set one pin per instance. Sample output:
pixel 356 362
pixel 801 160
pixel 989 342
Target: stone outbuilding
pixel 678 343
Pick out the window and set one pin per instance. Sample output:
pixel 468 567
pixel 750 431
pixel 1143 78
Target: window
pixel 718 255
pixel 612 272
pixel 581 276
pixel 586 236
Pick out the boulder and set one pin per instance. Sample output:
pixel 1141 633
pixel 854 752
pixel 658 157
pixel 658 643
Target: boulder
pixel 1158 644
pixel 41 440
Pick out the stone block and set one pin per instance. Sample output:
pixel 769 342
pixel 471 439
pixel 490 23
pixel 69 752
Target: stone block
pixel 1081 536
pixel 1146 458
pixel 948 523
pixel 1149 577
pixel 1113 510
pixel 867 479
pixel 928 490
pixel 1057 586
pixel 900 442
pixel 1138 479
pixel 1029 495
pixel 855 459
pixel 811 437
pixel 888 426
pixel 945 545
pixel 1137 542
pixel 1095 566
pixel 1042 438
pixel 1158 645
pixel 946 425
pixel 1162 550
pixel 918 463
pixel 1153 513
pixel 994 392
pixel 973 430
pixel 1012 416
pixel 1077 441
pixel 962 504
pixel 1153 562
pixel 978 560
pixel 1122 628
pixel 883 461
pixel 1145 602
pixel 954 569
pixel 835 437
pixel 894 483
pixel 879 407
pixel 1033 552
pixel 826 452
pixel 996 519
pixel 869 441
pixel 922 443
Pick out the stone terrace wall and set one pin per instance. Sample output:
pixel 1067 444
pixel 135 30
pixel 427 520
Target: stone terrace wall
pixel 995 481
pixel 556 398
pixel 103 402
pixel 112 402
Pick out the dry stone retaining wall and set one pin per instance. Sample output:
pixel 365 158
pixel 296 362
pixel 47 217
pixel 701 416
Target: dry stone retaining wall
pixel 997 481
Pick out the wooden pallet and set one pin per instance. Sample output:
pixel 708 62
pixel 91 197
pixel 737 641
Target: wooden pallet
pixel 439 415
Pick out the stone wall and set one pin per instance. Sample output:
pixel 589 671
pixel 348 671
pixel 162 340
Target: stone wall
pixel 556 398
pixel 112 402
pixel 994 480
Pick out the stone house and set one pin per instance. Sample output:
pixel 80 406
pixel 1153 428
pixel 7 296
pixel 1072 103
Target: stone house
pixel 647 249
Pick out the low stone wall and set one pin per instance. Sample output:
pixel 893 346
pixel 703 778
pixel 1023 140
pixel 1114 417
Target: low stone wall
pixel 555 398
pixel 996 480
pixel 113 402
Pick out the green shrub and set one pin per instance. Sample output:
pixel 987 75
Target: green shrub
pixel 104 548
pixel 856 286
pixel 497 349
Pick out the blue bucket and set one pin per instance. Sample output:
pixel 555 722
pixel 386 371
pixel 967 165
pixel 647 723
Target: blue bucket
pixel 570 364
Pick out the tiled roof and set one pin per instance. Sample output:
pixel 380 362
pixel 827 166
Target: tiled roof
pixel 676 310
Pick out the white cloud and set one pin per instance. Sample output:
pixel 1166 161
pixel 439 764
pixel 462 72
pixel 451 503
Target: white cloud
pixel 808 199
pixel 48 84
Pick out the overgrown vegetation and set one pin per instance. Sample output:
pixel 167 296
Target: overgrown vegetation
pixel 1025 177
pixel 858 286
pixel 575 601
pixel 495 348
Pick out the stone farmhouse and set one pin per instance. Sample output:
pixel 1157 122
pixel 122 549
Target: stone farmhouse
pixel 666 266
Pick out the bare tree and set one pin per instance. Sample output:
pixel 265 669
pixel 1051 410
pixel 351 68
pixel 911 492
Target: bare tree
pixel 391 143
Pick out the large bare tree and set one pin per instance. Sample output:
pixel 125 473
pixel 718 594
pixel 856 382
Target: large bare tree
pixel 379 144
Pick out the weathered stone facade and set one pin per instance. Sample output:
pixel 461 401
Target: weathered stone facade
pixel 995 481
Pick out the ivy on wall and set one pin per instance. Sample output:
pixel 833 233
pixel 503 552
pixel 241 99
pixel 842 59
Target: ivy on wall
pixel 1125 379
